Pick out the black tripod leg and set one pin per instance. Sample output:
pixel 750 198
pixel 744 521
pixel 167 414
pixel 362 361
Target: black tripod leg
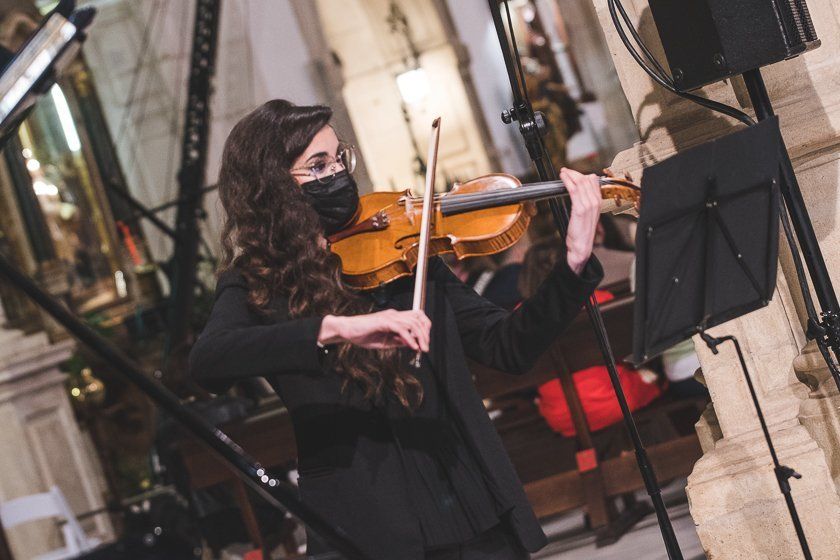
pixel 652 487
pixel 783 475
pixel 523 113
pixel 795 204
pixel 672 546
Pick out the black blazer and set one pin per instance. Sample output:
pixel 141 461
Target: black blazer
pixel 349 468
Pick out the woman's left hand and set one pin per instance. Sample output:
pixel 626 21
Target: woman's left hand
pixel 585 192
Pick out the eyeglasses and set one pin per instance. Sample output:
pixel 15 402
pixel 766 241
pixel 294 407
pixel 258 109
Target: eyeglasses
pixel 323 169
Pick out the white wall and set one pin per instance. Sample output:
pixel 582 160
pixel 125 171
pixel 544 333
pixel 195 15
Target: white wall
pixel 261 56
pixel 372 55
pixel 475 28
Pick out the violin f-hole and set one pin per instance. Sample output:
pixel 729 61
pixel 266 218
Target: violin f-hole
pixel 401 242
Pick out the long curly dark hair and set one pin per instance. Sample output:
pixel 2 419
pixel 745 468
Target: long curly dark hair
pixel 274 237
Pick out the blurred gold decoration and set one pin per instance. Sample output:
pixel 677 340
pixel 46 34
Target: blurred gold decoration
pixel 87 389
pixel 15 28
pixel 553 100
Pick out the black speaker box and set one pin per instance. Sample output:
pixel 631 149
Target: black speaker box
pixel 709 40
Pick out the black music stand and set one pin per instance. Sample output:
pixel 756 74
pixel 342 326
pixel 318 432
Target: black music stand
pixel 707 239
pixel 707 247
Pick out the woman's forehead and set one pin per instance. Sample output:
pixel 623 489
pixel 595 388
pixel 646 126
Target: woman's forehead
pixel 325 140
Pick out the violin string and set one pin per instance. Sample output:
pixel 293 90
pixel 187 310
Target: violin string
pixel 538 189
pixel 396 214
pixel 604 181
pixel 499 197
pixel 509 196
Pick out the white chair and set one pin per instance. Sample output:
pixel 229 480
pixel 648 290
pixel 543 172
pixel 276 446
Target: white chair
pixel 46 505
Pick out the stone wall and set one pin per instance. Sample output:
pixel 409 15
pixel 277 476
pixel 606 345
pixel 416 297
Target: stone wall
pixel 734 497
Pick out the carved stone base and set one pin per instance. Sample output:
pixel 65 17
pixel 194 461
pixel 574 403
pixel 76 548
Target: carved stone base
pixel 820 413
pixel 40 442
pixel 708 429
pixel 740 511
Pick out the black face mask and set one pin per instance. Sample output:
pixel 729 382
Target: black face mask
pixel 335 201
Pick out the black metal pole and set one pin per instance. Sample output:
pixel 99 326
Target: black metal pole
pixel 191 177
pixel 529 127
pixel 278 494
pixel 177 201
pixel 798 212
pixel 783 473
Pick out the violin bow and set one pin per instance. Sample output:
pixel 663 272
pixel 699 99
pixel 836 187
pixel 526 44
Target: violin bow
pixel 427 217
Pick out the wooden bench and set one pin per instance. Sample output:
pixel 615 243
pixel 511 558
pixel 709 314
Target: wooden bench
pixel 562 474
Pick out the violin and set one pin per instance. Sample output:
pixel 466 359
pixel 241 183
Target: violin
pixel 482 216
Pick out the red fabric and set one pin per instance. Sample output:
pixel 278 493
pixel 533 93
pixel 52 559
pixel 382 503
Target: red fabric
pixel 603 296
pixel 596 394
pixel 597 397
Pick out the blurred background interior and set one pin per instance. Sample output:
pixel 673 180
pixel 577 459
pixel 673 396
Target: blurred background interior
pixel 89 186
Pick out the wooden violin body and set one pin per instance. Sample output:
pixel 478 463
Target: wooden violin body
pixel 382 245
pixel 480 217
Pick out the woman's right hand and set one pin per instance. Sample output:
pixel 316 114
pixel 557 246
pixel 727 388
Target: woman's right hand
pixel 384 329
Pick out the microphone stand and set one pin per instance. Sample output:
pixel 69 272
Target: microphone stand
pixel 531 126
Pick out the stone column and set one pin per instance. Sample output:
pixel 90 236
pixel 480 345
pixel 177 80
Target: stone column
pixel 819 413
pixel 328 69
pixel 806 96
pixel 733 495
pixel 462 55
pixel 597 74
pixel 40 442
pixel 734 498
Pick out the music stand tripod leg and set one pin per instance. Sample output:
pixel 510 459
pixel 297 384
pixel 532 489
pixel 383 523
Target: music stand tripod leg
pixel 783 472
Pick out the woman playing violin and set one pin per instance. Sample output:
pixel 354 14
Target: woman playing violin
pixel 406 461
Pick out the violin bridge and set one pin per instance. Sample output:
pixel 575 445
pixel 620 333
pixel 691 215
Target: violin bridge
pixel 409 210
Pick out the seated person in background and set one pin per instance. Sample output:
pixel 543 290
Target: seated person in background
pixel 613 251
pixel 679 362
pixel 593 384
pixel 494 277
pixel 503 287
pixel 475 272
